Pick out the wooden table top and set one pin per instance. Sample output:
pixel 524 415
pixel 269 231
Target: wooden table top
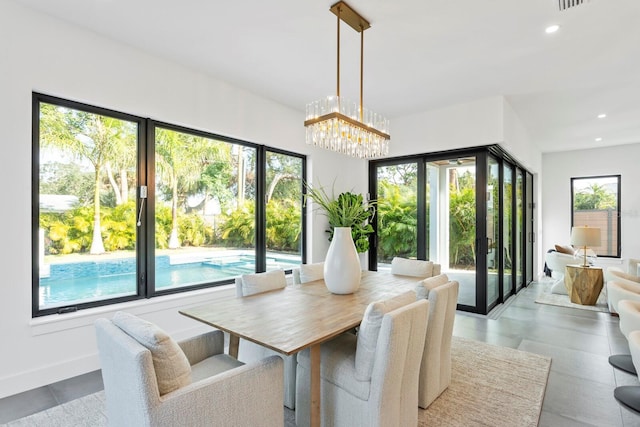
pixel 294 318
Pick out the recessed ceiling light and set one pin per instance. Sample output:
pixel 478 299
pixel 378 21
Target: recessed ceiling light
pixel 552 29
pixel 598 139
pixel 602 116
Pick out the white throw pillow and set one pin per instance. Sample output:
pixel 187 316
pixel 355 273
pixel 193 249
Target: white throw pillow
pixel 424 286
pixel 311 272
pixel 370 328
pixel 411 267
pixel 262 282
pixel 172 367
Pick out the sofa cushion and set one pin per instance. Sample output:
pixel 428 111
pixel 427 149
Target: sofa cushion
pixel 311 272
pixel 411 267
pixel 565 249
pixel 424 286
pixel 370 328
pixel 169 361
pixel 262 282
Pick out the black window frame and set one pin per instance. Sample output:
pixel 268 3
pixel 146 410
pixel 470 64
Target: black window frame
pixel 618 216
pixel 145 240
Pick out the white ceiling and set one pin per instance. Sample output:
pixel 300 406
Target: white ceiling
pixel 419 54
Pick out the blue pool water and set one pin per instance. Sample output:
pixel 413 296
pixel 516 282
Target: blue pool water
pixel 73 284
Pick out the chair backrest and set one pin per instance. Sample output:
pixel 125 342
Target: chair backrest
pixel 435 368
pixel 619 275
pixel 414 267
pixel 250 284
pixel 629 312
pixel 620 289
pixel 308 273
pixel 397 359
pixel 128 374
pixel 557 261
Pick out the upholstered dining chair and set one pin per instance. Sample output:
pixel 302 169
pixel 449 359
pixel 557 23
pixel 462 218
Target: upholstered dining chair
pixel 435 368
pixel 250 284
pixel 629 312
pixel 370 379
pixel 308 273
pixel 629 395
pixel 414 267
pixel 152 380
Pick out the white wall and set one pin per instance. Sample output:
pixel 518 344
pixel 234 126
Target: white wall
pixel 517 141
pixel 559 168
pixel 41 54
pixel 458 126
pixel 481 122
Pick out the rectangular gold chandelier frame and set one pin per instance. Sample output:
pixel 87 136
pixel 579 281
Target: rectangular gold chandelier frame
pixel 329 118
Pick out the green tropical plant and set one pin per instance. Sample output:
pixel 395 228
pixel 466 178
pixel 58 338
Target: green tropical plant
pixel 397 221
pixel 462 226
pixel 237 228
pixel 347 210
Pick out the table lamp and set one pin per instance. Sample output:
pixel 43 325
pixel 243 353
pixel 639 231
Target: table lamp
pixel 585 236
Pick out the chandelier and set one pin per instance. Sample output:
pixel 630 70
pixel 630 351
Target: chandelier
pixel 339 125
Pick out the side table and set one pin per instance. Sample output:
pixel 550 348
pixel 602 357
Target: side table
pixel 583 283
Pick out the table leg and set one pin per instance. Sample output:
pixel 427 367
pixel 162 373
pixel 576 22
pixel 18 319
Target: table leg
pixel 315 385
pixel 234 343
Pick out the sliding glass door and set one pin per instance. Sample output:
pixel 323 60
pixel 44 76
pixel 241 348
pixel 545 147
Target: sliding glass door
pixel 430 207
pixel 529 228
pixel 493 231
pixel 397 213
pixel 519 229
pixel 451 218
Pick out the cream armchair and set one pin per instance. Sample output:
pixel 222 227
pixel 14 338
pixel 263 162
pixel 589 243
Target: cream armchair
pixel 435 369
pixel 414 267
pixel 308 273
pixel 620 286
pixel 617 274
pixel 556 262
pixel 250 284
pixel 618 290
pixel 629 321
pixel 370 379
pixel 150 380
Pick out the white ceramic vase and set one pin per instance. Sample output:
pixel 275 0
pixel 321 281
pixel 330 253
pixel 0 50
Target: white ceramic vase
pixel 342 270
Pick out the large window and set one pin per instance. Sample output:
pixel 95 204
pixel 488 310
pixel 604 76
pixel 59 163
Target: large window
pixel 595 202
pixel 126 208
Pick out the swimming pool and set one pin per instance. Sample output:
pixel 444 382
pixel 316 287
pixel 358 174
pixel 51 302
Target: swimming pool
pixel 76 283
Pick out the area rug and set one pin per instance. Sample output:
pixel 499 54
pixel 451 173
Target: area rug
pixel 548 298
pixel 490 386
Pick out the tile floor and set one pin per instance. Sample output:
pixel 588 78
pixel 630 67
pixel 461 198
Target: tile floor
pixel 581 382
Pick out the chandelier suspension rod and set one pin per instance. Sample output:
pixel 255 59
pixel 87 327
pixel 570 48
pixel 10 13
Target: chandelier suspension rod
pixel 338 61
pixel 361 72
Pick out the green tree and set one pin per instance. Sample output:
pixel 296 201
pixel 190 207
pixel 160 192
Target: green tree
pixel 180 159
pixel 594 197
pixel 86 137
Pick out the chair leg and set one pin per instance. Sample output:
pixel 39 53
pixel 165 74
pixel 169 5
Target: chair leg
pixel 623 362
pixel 629 396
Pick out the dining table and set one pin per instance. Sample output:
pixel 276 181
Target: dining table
pixel 297 317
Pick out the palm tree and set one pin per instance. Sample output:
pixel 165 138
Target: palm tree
pixel 87 136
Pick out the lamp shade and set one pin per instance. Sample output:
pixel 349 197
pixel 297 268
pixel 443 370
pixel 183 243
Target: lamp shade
pixel 585 236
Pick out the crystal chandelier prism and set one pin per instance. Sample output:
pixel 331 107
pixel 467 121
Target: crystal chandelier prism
pixel 339 125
